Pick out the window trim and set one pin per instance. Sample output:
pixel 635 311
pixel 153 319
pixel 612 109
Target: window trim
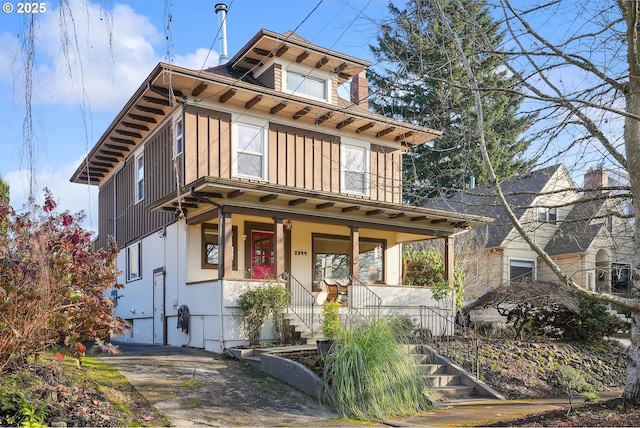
pixel 343 170
pixel 236 152
pixel 305 77
pixel 545 215
pixel 137 179
pixel 178 149
pixel 203 251
pixel 534 269
pixel 129 276
pixel 347 238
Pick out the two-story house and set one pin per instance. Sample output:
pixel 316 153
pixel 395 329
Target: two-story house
pixel 583 231
pixel 215 180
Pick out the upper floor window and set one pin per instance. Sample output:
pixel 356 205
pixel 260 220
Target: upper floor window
pixel 250 151
pixel 354 169
pixel 139 177
pixel 548 215
pixel 133 262
pixel 306 85
pixel 179 138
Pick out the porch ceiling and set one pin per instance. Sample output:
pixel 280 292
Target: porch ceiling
pixel 284 202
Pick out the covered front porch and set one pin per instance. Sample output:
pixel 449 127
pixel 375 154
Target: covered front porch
pixel 320 246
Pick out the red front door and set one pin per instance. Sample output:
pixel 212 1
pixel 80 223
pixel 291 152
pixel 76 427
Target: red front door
pixel 262 255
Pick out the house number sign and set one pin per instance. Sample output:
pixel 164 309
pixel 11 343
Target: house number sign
pixel 300 253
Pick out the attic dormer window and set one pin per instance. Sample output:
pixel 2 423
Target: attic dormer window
pixel 548 215
pixel 306 85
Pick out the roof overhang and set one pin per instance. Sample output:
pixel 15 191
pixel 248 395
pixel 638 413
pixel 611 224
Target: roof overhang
pixel 279 201
pixel 291 47
pixel 169 86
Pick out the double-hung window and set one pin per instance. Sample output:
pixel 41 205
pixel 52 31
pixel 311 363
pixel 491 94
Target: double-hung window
pixel 139 177
pixel 548 215
pixel 250 151
pixel 179 138
pixel 133 262
pixel 354 169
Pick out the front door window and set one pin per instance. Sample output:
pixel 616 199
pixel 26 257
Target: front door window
pixel 262 254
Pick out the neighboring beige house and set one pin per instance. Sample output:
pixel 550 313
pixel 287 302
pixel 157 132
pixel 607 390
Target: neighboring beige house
pixel 582 231
pixel 251 173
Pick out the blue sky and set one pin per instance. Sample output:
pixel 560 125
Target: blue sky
pixel 114 45
pixel 74 101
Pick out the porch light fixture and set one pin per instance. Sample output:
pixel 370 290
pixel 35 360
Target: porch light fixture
pixel 288 225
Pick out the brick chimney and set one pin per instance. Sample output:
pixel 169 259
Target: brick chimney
pixel 360 90
pixel 596 179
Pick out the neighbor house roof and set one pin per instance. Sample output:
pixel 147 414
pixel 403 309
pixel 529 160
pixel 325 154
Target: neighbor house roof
pixel 577 232
pixel 520 192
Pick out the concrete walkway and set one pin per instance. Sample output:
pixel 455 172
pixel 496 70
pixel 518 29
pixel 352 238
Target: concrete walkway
pixel 193 387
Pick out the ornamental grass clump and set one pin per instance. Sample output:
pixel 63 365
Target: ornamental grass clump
pixel 370 375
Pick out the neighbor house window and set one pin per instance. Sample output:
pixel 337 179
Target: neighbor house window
pixel 133 262
pixel 521 270
pixel 179 137
pixel 211 246
pixel 305 85
pixel 354 169
pixel 250 154
pixel 548 215
pixel 139 178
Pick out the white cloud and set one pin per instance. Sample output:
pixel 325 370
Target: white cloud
pixel 201 58
pixel 8 52
pixel 69 196
pixel 106 57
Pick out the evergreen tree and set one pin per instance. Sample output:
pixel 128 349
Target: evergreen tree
pixel 413 83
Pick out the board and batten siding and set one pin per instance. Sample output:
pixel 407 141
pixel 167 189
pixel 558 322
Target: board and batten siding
pixel 386 174
pixel 134 219
pixel 207 151
pixel 304 159
pixel 105 213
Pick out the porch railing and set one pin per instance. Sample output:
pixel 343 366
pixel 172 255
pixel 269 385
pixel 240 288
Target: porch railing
pixel 449 339
pixel 302 300
pixel 363 301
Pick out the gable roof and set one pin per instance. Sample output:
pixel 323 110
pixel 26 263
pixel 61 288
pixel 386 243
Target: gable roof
pixel 519 191
pixel 577 232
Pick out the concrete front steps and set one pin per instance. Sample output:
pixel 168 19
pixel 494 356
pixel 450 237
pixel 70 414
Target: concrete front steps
pixel 305 332
pixel 449 380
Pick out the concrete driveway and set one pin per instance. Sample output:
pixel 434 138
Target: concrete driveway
pixel 193 387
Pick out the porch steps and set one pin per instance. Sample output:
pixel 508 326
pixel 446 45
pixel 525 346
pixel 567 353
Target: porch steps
pixel 305 332
pixel 448 380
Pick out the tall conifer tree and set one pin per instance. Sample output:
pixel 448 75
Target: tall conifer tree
pixel 413 82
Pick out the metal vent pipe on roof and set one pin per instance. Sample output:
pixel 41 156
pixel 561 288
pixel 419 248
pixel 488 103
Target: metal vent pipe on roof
pixel 222 23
